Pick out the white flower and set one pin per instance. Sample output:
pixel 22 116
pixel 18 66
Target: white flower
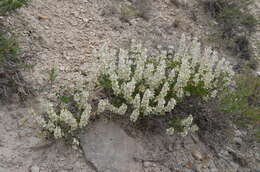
pixel 49 107
pixel 124 69
pixel 50 126
pixel 77 97
pixel 57 132
pixel 195 53
pixel 102 105
pixel 171 104
pixel 170 131
pixel 68 118
pixel 160 106
pixel 83 98
pixel 75 144
pixel 134 116
pixel 188 121
pixel 148 95
pixel 137 101
pixel 172 75
pixel 40 121
pixel 184 133
pixel 194 128
pixel 122 109
pixel 159 75
pixel 164 91
pixel 85 116
pixel 214 93
pixel 115 86
pixel 53 117
pixel 181 49
pixel 140 66
pixel 128 89
pixel 148 73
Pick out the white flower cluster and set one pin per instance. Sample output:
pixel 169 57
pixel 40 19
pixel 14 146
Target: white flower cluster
pixel 105 105
pixel 61 122
pixel 186 127
pixel 154 84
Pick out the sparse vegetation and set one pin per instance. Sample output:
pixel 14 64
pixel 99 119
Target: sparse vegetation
pixel 52 75
pixel 234 25
pixel 10 5
pixel 134 10
pixel 67 113
pixel 128 11
pixel 11 79
pixel 243 102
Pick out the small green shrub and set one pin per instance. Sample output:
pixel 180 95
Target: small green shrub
pixel 243 103
pixel 10 65
pixel 10 5
pixel 65 114
pixel 134 10
pixel 8 49
pixel 128 12
pixel 52 75
pixel 234 25
pixel 233 16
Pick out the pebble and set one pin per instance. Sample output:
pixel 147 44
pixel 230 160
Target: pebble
pixel 195 139
pixel 197 155
pixel 149 164
pixel 238 133
pixel 43 17
pixel 238 140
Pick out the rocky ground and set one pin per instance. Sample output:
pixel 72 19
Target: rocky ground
pixel 110 146
pixel 61 35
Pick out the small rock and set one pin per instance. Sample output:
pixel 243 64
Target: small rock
pixel 197 155
pixel 235 166
pixel 238 140
pixel 85 20
pixel 43 17
pixel 212 166
pixel 149 164
pixel 35 169
pixel 223 153
pixel 189 164
pixel 258 73
pixel 188 143
pixel 238 133
pixel 195 139
pixel 170 147
pixel 107 146
pixel 197 168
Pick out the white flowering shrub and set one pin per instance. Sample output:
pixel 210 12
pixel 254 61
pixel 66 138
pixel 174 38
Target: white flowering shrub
pixel 144 85
pixel 140 85
pixel 66 116
pixel 182 126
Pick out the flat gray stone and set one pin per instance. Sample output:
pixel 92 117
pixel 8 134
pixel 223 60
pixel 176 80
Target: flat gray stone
pixel 110 149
